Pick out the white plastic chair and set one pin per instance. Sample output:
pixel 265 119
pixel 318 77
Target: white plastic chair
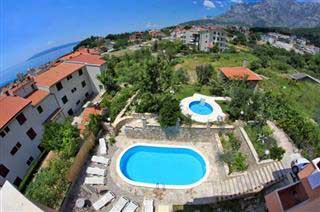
pixel 96 171
pixel 105 199
pixel 100 159
pixel 102 146
pixel 148 205
pixel 94 180
pixel 119 205
pixel 131 207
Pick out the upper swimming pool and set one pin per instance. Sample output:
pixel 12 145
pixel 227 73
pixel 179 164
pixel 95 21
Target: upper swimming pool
pixel 201 108
pixel 156 165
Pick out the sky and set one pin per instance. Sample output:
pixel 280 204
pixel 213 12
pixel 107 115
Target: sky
pixel 30 26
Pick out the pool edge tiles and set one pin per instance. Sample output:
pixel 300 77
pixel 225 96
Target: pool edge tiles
pixel 156 185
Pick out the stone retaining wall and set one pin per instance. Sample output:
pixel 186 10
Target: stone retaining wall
pixel 183 133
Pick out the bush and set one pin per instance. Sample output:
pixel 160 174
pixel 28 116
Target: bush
pixel 235 160
pixel 181 76
pixel 147 103
pixel 169 112
pixel 119 102
pixel 94 125
pixel 204 74
pixel 276 153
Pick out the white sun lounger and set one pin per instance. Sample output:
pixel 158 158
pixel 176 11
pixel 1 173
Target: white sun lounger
pixel 102 146
pixel 94 180
pixel 131 207
pixel 119 205
pixel 148 205
pixel 100 159
pixel 105 199
pixel 96 171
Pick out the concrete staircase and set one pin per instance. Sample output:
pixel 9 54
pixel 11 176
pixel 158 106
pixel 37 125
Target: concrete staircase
pixel 249 182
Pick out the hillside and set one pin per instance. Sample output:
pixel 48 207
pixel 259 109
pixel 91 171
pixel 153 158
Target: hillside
pixel 268 13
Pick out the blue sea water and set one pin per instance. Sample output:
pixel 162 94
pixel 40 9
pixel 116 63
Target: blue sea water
pixel 8 75
pixel 162 165
pixel 200 108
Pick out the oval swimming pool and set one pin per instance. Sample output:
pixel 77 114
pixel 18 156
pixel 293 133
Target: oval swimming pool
pixel 158 165
pixel 201 108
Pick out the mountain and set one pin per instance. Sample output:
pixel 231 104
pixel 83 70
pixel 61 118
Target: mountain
pixel 53 49
pixel 269 13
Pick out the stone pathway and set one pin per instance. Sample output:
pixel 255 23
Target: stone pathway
pixel 285 142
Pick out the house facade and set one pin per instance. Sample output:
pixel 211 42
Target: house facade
pixel 52 95
pixel 212 37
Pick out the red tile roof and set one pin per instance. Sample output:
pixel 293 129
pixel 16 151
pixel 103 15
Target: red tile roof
pixel 238 73
pixel 56 74
pixel 88 59
pixel 11 106
pixel 37 96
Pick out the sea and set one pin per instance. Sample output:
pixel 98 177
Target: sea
pixel 10 74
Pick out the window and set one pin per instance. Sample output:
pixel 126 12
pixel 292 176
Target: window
pixel 87 95
pixel 83 83
pixel 15 149
pixel 80 72
pixel 39 109
pixel 70 112
pixel 7 129
pixel 3 170
pixel 64 99
pixel 21 118
pixel 69 77
pixel 41 149
pixel 29 161
pixel 73 90
pixel 31 133
pixel 17 181
pixel 78 102
pixel 59 86
pixel 2 134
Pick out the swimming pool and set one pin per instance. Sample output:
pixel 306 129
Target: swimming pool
pixel 166 166
pixel 201 108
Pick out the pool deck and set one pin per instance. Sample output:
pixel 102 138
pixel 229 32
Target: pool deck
pixel 216 115
pixel 169 196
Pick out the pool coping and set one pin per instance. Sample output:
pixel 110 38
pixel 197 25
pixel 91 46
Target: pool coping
pixel 214 116
pixel 150 185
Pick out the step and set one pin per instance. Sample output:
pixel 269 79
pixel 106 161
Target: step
pixel 263 176
pixel 269 178
pixel 271 172
pixel 255 180
pixel 232 188
pixel 244 185
pixel 259 177
pixel 277 170
pixel 236 186
pixel 248 182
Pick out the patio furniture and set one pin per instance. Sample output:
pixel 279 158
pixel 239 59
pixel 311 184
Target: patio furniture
pixel 96 171
pixel 105 199
pixel 100 159
pixel 94 180
pixel 102 146
pixel 131 207
pixel 119 205
pixel 148 205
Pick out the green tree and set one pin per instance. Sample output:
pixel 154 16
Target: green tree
pixel 169 112
pixel 107 79
pixel 181 76
pixel 204 74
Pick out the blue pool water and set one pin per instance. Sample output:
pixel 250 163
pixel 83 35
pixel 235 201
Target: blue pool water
pixel 162 165
pixel 200 108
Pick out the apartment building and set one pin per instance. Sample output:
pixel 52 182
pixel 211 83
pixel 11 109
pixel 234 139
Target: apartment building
pixel 94 65
pixel 23 111
pixel 212 37
pixel 69 83
pixel 202 38
pixel 50 96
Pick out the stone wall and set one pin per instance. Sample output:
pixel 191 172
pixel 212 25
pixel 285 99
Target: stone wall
pixel 183 133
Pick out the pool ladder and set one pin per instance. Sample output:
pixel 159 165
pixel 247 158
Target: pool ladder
pixel 158 185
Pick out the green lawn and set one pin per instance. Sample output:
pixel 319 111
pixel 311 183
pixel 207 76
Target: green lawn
pixel 188 90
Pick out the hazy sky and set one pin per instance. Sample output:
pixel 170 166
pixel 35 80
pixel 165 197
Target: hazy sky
pixel 30 26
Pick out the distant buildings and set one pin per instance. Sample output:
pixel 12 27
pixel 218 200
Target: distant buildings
pixel 49 96
pixel 202 38
pixel 289 43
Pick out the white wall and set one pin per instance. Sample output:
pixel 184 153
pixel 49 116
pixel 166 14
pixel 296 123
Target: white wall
pixel 17 163
pixel 93 72
pixel 79 94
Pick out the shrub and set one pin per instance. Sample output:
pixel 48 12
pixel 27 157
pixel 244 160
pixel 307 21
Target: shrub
pixel 119 102
pixel 235 160
pixel 169 112
pixel 94 125
pixel 147 103
pixel 204 74
pixel 276 153
pixel 181 76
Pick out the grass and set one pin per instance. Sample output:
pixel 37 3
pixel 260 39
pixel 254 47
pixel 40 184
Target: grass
pixel 188 90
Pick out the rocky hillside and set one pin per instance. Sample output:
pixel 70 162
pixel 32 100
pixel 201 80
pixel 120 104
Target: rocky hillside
pixel 267 13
